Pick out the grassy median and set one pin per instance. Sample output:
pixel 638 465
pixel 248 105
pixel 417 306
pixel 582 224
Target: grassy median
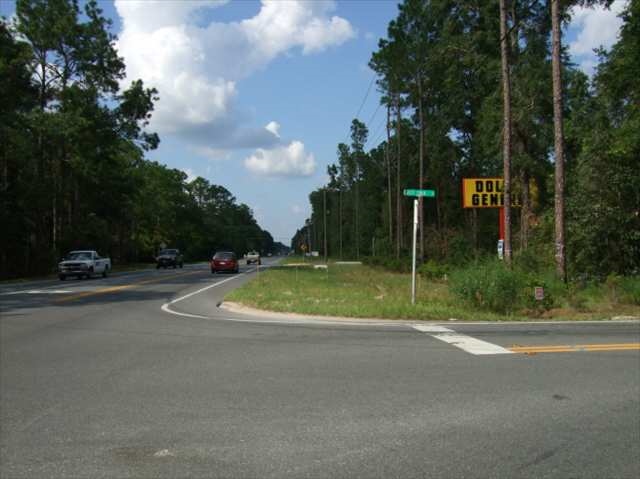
pixel 369 292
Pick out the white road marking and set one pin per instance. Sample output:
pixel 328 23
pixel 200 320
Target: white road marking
pixel 428 328
pixel 165 307
pixel 163 453
pixel 37 291
pixel 471 345
pixel 462 341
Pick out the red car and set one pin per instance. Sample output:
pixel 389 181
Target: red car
pixel 224 261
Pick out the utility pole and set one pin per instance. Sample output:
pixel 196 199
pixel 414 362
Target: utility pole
pixel 324 195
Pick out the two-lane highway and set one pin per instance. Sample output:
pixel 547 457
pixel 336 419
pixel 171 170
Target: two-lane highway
pixel 141 375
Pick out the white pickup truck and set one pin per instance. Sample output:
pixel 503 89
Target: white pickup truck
pixel 83 264
pixel 253 257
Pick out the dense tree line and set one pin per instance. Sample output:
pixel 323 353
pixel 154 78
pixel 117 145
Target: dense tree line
pixel 72 167
pixel 443 72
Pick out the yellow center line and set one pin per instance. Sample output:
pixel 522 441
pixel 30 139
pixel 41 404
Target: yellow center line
pixel 113 289
pixel 575 348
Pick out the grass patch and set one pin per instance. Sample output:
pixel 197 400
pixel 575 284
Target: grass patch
pixel 370 292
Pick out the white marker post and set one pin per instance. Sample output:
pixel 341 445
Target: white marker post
pixel 413 262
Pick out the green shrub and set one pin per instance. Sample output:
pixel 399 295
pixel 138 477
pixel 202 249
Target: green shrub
pixel 433 270
pixel 623 289
pixel 527 297
pixel 630 286
pixel 401 265
pixel 533 259
pixel 489 285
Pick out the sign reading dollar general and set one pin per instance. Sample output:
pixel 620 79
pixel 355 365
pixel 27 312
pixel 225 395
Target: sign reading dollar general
pixel 485 193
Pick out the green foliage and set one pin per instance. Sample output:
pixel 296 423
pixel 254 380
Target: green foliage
pixel 433 270
pixel 397 265
pixel 623 289
pixel 454 115
pixel 71 153
pixel 489 285
pixel 365 291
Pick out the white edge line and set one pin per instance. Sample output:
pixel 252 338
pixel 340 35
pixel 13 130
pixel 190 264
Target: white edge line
pixel 165 307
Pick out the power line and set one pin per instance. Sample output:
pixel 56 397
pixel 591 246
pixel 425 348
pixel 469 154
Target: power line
pixel 366 95
pixel 374 114
pixel 378 134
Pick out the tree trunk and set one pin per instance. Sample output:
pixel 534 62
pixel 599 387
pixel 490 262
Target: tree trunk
pixel 340 216
pixel 506 142
pixel 324 229
pixel 389 179
pixel 398 191
pixel 474 230
pixel 525 212
pixel 357 222
pixel 561 266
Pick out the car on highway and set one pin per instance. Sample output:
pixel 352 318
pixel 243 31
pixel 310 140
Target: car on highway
pixel 224 261
pixel 83 264
pixel 253 257
pixel 169 257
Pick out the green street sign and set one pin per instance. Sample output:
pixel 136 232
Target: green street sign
pixel 427 193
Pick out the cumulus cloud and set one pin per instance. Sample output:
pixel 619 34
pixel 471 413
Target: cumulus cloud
pixel 290 160
pixel 196 67
pixel 149 15
pixel 213 154
pixel 596 27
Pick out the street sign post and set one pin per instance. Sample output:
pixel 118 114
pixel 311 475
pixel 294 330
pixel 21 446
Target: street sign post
pixel 416 193
pixel 413 261
pixel 425 193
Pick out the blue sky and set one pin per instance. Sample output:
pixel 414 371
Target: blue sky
pixel 255 95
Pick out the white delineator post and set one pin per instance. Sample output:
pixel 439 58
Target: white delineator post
pixel 413 262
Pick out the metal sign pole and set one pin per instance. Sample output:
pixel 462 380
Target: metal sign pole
pixel 413 263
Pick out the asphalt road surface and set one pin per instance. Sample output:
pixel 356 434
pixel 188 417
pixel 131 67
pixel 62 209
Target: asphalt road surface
pixel 141 375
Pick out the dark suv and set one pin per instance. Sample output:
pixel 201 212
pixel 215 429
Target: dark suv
pixel 169 257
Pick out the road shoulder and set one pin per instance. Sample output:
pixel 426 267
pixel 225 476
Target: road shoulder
pixel 237 308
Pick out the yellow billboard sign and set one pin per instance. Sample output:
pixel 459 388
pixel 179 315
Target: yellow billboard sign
pixel 485 193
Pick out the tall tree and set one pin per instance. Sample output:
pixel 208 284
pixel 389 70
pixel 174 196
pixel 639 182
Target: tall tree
pixel 359 135
pixel 556 62
pixel 506 139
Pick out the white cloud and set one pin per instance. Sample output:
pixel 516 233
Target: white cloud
pixel 290 160
pixel 196 67
pixel 596 27
pixel 149 15
pixel 273 127
pixel 296 209
pixel 190 175
pixel 213 154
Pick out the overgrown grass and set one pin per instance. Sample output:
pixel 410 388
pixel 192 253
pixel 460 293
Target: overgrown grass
pixel 368 292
